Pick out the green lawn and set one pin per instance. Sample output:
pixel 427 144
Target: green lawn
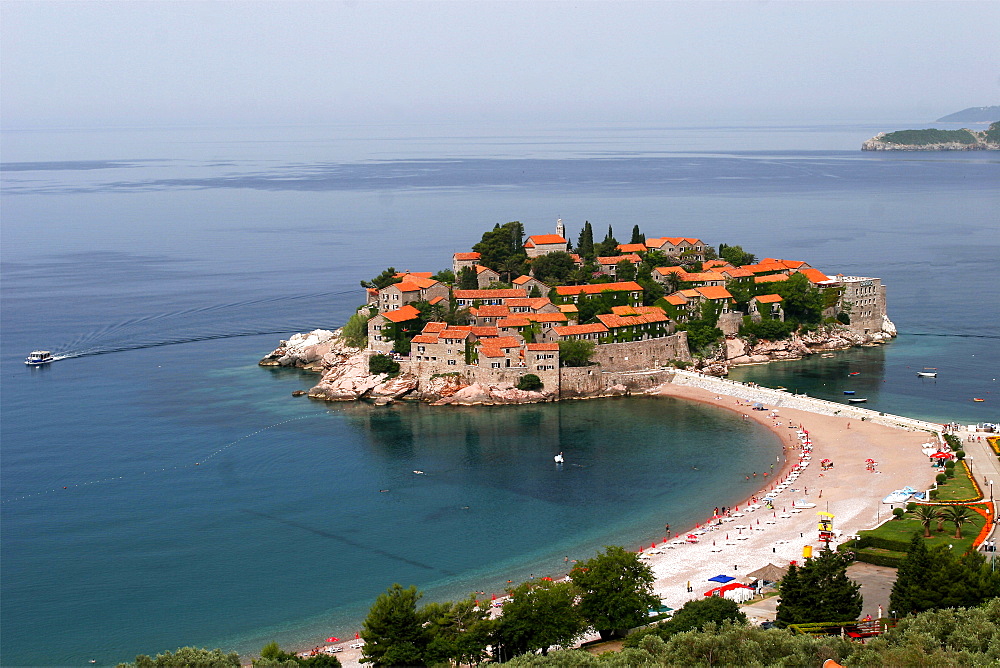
pixel 959 488
pixel 902 530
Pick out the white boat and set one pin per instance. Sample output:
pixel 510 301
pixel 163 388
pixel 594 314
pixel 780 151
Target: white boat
pixel 39 357
pixel 856 400
pixel 803 503
pixel 927 374
pixel 559 458
pixel 899 496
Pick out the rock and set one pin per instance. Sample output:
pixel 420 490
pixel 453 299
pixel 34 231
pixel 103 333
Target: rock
pixel 735 348
pixel 298 393
pixel 394 388
pixel 304 350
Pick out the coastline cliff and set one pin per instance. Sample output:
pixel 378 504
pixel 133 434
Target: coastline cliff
pixel 936 140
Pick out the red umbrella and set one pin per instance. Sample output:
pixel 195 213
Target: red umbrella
pixel 332 639
pixel 357 636
pixel 494 597
pixel 549 579
pixel 941 455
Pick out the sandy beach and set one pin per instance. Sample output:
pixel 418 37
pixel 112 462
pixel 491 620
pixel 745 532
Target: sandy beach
pixel 851 492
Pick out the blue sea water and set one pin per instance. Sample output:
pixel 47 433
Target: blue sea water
pixel 159 489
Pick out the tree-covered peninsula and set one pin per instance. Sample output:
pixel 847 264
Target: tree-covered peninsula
pixel 932 139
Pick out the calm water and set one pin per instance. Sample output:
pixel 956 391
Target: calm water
pixel 203 505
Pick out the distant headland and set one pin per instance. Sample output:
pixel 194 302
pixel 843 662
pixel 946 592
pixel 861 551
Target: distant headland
pixel 933 139
pixel 529 319
pixel 972 115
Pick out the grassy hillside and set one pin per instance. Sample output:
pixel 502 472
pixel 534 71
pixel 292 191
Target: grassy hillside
pixel 929 136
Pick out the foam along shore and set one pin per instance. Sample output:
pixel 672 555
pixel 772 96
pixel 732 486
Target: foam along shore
pixel 751 539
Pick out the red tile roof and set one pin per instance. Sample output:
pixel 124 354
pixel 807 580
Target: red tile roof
pixel 734 272
pixel 402 314
pixel 436 300
pixel 632 248
pixel 521 280
pixel 480 269
pixel 635 310
pixel 670 270
pixel 424 338
pixel 435 327
pixel 676 299
pixel 484 331
pixel 544 239
pixel 405 286
pixel 491 352
pixel 569 330
pixel 467 256
pixel 568 308
pixel 513 321
pixel 491 294
pixel 768 299
pixel 543 346
pixel 491 311
pixel 625 286
pixel 545 317
pixel 701 277
pixel 455 334
pixel 771 278
pixel 712 264
pixel 611 321
pixel 714 292
pixel 615 259
pixel 815 275
pixel 534 303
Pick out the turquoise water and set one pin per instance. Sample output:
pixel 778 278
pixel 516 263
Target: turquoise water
pixel 204 505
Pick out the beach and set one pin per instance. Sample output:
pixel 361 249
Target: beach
pixel 750 539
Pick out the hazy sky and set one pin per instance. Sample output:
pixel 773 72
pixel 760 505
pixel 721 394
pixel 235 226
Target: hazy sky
pixel 89 63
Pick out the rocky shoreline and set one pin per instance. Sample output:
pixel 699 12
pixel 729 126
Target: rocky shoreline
pixel 344 374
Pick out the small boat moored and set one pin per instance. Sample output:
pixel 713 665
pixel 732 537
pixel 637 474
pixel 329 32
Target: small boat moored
pixel 39 357
pixel 927 374
pixel 977 399
pixel 857 400
pixel 848 391
pixel 854 373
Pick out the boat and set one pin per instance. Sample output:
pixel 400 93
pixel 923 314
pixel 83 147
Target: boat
pixel 39 357
pixel 559 458
pixel 828 355
pixel 854 373
pixel 899 496
pixel 927 374
pixel 977 399
pixel 803 503
pixel 857 400
pixel 848 391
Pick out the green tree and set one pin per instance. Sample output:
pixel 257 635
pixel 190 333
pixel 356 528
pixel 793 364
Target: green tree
pixel 502 248
pixel 529 382
pixel 467 279
pixel 819 591
pixel 553 268
pixel 958 516
pixel 385 279
pixel 735 255
pixel 393 630
pixel 802 302
pixel 575 352
pixel 625 271
pixel 637 237
pixel 925 515
pixel 609 246
pixel 460 632
pixel 355 331
pixel 585 244
pixel 382 364
pixel 193 657
pixel 538 616
pixel 534 292
pixel 446 276
pixel 616 591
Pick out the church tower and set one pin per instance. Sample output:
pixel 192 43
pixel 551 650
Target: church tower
pixel 560 228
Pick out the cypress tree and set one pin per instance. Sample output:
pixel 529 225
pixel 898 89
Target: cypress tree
pixel 819 592
pixel 585 244
pixel 637 237
pixel 912 578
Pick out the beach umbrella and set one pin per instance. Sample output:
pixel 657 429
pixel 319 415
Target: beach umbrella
pixel 332 639
pixel 357 636
pixel 721 578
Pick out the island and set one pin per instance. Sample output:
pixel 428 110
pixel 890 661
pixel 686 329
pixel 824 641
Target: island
pixel 972 115
pixel 532 319
pixel 933 139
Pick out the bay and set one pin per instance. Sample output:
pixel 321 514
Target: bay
pixel 206 506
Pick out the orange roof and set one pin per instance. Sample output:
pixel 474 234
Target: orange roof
pixel 629 286
pixel 611 321
pixel 714 292
pixel 632 248
pixel 467 256
pixel 534 303
pixel 484 331
pixel 421 279
pixel 676 299
pixel 710 264
pixel 543 346
pixel 734 272
pixel 481 268
pixel 455 334
pixel 815 275
pixel 405 286
pixel 768 299
pixel 491 311
pixel 670 270
pixel 764 267
pixel 569 330
pixel 615 259
pixel 544 239
pixel 402 314
pixel 414 274
pixel 673 241
pixel 704 276
pixel 371 291
pixel 545 317
pixel 424 338
pixel 635 310
pixel 771 278
pixel 787 264
pixel 568 308
pixel 491 352
pixel 436 300
pixel 435 327
pixel 513 321
pixel 502 342
pixel 491 294
pixel 521 280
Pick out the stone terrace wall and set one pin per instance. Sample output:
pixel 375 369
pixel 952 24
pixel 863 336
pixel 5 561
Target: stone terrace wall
pixel 777 399
pixel 475 374
pixel 642 355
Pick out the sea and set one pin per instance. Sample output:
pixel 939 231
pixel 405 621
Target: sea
pixel 160 489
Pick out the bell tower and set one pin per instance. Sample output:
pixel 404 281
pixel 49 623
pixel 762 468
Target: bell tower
pixel 560 228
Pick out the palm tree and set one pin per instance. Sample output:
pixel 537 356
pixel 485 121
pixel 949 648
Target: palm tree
pixel 926 515
pixel 957 515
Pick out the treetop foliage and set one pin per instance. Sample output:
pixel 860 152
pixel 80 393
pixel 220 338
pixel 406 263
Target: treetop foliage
pixel 616 591
pixel 819 591
pixel 502 248
pixel 187 657
pixel 575 352
pixel 383 280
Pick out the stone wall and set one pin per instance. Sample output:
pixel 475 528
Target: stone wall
pixel 642 355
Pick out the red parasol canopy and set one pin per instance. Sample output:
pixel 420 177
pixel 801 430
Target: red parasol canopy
pixel 941 455
pixel 332 639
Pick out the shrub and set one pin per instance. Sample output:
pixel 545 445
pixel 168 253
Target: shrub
pixel 911 506
pixel 949 473
pixel 949 464
pixel 934 494
pixel 898 512
pixel 355 331
pixel 960 455
pixel 382 364
pixel 529 382
pixel 941 478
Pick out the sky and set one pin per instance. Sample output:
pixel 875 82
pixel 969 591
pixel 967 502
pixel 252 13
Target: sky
pixel 182 62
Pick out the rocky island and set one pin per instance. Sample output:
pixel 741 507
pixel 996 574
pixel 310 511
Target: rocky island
pixel 936 140
pixel 526 320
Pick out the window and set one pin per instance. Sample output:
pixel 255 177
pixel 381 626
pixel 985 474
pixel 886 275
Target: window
pixel 451 362
pixel 495 365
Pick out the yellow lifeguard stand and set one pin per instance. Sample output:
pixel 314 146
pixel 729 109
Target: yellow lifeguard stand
pixel 825 526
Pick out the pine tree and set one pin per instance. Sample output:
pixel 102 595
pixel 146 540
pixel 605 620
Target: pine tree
pixel 909 592
pixel 585 244
pixel 637 237
pixel 609 246
pixel 820 591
